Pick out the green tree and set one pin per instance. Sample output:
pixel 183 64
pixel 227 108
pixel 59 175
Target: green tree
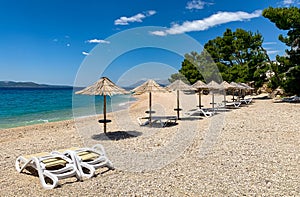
pixel 239 55
pixel 178 76
pixel 288 72
pixel 198 67
pixel 190 71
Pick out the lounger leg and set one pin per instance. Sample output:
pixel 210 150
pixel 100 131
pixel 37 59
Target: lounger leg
pixel 100 150
pixel 21 164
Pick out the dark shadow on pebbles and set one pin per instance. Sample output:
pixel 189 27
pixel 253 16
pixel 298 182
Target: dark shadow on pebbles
pixel 116 135
pixel 158 125
pixel 191 118
pixel 262 98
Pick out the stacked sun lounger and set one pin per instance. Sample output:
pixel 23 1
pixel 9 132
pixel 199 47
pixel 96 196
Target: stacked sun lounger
pixel 73 162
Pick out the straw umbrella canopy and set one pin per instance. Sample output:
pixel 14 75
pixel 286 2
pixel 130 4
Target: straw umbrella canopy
pixel 247 88
pixel 227 86
pixel 104 87
pixel 179 85
pixel 149 87
pixel 214 86
pixel 237 87
pixel 200 85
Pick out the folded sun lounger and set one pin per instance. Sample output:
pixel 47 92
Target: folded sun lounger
pixel 50 167
pixel 88 159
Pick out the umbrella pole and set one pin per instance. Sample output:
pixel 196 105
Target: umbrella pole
pixel 178 104
pixel 233 95
pixel 213 101
pixel 200 99
pixel 104 113
pixel 150 105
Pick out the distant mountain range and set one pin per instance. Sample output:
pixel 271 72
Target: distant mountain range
pixel 13 84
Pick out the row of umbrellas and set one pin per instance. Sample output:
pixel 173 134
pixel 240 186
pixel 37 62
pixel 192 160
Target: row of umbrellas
pixel 105 87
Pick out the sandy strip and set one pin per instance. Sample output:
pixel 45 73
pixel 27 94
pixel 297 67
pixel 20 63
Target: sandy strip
pixel 254 150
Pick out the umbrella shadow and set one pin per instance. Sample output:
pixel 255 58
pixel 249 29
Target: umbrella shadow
pixel 116 135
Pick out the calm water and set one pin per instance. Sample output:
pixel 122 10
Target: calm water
pixel 19 107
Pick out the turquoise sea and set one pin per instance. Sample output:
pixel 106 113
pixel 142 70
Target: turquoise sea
pixel 20 107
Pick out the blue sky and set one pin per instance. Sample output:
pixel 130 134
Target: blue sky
pixel 47 41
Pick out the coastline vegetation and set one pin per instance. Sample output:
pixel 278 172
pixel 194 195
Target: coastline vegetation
pixel 240 56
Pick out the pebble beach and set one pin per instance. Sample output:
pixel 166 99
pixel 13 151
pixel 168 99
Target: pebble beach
pixel 250 151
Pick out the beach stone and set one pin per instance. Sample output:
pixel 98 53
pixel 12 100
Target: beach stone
pixel 255 152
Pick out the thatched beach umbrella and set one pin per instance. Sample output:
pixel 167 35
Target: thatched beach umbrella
pixel 149 87
pixel 179 85
pixel 214 86
pixel 227 86
pixel 246 88
pixel 237 87
pixel 200 85
pixel 103 87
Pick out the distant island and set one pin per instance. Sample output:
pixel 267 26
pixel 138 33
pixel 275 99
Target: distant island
pixel 13 84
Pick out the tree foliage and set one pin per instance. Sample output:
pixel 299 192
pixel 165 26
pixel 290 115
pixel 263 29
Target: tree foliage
pixel 178 76
pixel 239 55
pixel 189 70
pixel 236 56
pixel 288 75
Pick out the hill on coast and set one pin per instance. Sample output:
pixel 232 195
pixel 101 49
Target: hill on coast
pixel 13 84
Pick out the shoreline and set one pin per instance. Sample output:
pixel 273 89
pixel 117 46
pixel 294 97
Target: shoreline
pixel 122 106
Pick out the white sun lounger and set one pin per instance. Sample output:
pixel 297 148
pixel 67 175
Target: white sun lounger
pixel 48 166
pixel 88 159
pixel 205 112
pixel 234 104
pixel 162 120
pixel 246 101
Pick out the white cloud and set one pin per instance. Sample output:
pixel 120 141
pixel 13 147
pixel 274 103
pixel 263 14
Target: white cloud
pixel 136 18
pixel 271 52
pixel 196 4
pixel 68 44
pixel 150 12
pixel 269 43
pixel 85 53
pixel 290 2
pixel 206 23
pixel 98 41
